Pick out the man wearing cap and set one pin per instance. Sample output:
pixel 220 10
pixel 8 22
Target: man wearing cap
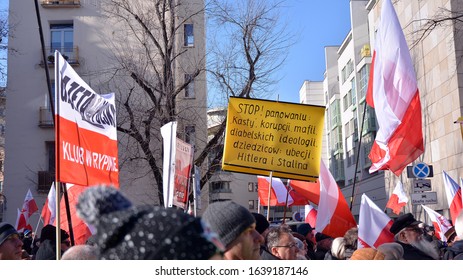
pixel 307 230
pixel 236 227
pixel 10 244
pixel 410 236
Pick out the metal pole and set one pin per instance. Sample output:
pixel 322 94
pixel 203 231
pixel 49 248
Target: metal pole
pixel 358 156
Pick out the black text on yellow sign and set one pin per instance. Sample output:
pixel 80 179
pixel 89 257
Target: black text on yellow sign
pixel 267 136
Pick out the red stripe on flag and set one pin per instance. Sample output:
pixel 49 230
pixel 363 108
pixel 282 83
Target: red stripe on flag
pixel 406 144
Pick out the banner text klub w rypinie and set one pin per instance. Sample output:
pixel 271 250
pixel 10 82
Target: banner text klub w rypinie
pixel 267 136
pixel 85 132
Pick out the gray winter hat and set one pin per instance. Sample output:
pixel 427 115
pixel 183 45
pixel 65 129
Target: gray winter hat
pixel 228 219
pixel 99 200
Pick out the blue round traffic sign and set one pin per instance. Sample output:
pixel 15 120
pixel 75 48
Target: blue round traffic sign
pixel 421 170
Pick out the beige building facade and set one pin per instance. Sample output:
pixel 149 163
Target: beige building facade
pixel 90 40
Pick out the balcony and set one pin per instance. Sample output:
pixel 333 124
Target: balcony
pixel 45 179
pixel 46 118
pixel 70 54
pixel 60 3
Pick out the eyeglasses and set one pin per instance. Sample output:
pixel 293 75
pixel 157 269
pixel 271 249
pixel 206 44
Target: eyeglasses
pixel 290 245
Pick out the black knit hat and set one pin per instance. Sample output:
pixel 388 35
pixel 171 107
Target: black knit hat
pixel 49 233
pixel 155 233
pixel 228 219
pixel 403 221
pixel 5 231
pixel 261 222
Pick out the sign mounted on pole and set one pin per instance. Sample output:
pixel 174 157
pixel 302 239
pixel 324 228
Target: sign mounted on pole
pixel 421 170
pixel 267 136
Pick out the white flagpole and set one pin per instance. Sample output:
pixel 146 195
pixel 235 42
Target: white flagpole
pixel 57 161
pixel 268 200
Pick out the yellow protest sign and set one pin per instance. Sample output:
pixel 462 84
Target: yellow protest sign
pixel 267 136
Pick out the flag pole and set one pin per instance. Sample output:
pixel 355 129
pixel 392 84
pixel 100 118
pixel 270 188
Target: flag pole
pixel 269 192
pixel 68 213
pixel 57 161
pixel 358 156
pixel 286 202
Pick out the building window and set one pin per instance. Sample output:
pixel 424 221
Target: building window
pixel 190 135
pixel 251 204
pixel 189 38
pixel 219 187
pixel 62 39
pixel 50 146
pixel 190 88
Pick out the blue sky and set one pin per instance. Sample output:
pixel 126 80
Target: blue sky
pixel 321 23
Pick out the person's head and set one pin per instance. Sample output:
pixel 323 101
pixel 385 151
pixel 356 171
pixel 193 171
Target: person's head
pixel 155 233
pixel 351 238
pixel 281 243
pixel 323 241
pixel 10 243
pixel 338 248
pixel 307 231
pixel 236 227
pixel 450 235
pixel 392 251
pixel 262 225
pixel 407 230
pixel 99 200
pixel 301 245
pixel 48 232
pixel 459 226
pixel 80 252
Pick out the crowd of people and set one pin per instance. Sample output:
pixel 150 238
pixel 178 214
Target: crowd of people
pixel 225 231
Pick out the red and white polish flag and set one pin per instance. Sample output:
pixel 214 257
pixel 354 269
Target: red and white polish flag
pixel 393 90
pixel 278 194
pixel 310 215
pixel 374 225
pixel 81 230
pixel 454 198
pixel 85 130
pixel 440 223
pixel 49 208
pixel 29 205
pixel 398 199
pixel 334 217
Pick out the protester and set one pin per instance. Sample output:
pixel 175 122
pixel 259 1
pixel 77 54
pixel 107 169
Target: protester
pixel 323 245
pixel 307 231
pixel 47 247
pixel 10 244
pixel 236 227
pixel 350 242
pixel 262 227
pixel 455 250
pixel 145 232
pixel 338 249
pixel 409 235
pixel 301 245
pixel 391 251
pixel 367 254
pixel 282 243
pixel 80 252
pixel 100 200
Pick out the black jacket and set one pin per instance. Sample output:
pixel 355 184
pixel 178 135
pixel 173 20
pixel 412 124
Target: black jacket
pixel 412 253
